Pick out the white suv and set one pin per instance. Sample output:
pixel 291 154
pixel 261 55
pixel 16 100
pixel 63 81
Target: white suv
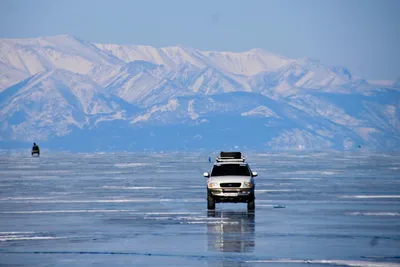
pixel 230 180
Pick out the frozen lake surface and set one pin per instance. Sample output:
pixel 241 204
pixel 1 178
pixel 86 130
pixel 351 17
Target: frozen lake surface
pixel 127 209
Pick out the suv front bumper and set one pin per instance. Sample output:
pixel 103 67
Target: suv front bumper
pixel 231 194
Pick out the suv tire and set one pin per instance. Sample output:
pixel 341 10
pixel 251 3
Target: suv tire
pixel 251 205
pixel 210 203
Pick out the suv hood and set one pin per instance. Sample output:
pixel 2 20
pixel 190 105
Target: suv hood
pixel 230 179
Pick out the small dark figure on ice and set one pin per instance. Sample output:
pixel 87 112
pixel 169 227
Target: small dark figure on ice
pixel 35 149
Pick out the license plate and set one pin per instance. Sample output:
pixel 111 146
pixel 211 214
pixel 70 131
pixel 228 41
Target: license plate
pixel 230 194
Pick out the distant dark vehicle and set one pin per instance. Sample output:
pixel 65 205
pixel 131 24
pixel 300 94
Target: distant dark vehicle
pixel 35 149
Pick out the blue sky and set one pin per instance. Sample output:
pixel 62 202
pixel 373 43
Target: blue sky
pixel 362 35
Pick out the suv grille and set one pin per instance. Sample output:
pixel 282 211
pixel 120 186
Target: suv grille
pixel 230 184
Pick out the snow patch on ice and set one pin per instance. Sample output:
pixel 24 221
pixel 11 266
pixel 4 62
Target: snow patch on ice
pixel 274 190
pixel 134 187
pixel 209 222
pixel 171 213
pixel 311 172
pixel 65 201
pixel 128 165
pixel 24 198
pixel 374 213
pixel 13 233
pixel 370 196
pixel 64 211
pixel 332 262
pixel 17 236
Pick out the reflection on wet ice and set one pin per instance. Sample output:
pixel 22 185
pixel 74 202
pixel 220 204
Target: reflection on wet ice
pixel 231 232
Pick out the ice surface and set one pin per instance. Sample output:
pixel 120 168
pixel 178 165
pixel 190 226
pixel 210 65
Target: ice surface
pixel 149 209
pixel 332 262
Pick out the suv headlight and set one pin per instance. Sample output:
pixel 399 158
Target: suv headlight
pixel 211 185
pixel 248 184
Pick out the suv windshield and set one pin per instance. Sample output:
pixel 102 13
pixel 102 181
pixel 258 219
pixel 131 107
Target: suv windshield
pixel 230 169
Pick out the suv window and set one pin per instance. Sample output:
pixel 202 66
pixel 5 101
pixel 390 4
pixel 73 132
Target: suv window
pixel 230 169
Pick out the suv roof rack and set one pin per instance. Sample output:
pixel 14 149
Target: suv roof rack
pixel 230 160
pixel 230 157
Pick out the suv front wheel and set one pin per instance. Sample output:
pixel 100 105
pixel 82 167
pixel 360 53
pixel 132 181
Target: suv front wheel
pixel 251 205
pixel 210 203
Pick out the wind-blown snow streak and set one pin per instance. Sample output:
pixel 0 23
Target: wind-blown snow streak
pixel 371 196
pixel 332 262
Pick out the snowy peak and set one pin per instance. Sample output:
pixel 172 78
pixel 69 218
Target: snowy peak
pixel 300 73
pixel 245 63
pixel 234 71
pixel 58 52
pixel 129 53
pixel 181 54
pixel 316 75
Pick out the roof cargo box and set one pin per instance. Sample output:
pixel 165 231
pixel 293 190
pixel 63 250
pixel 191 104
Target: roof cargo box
pixel 231 155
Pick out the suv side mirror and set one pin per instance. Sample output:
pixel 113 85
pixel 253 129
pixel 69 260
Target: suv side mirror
pixel 206 174
pixel 255 174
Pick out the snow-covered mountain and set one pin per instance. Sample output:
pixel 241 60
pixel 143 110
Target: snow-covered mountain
pixel 53 103
pixel 301 73
pixel 31 56
pixel 64 89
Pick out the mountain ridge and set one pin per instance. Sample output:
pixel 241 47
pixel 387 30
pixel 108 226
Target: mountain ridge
pixel 52 88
